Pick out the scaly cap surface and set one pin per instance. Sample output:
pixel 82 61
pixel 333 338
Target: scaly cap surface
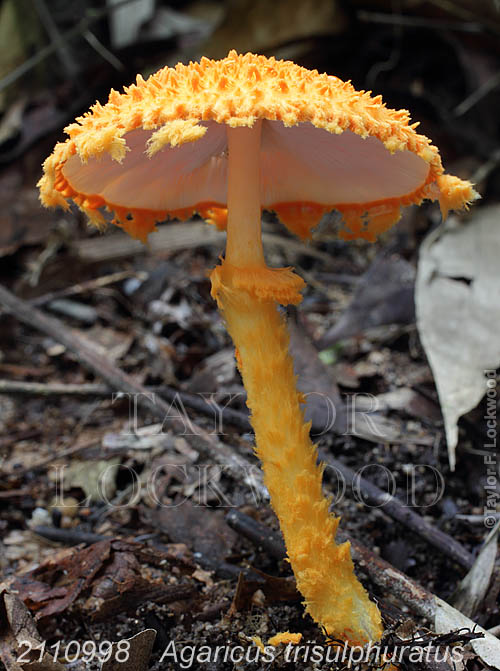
pixel 159 150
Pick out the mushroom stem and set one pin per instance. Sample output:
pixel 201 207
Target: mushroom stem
pixel 248 294
pixel 244 241
pixel 323 570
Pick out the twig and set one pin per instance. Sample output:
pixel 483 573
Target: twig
pixel 330 292
pixel 14 493
pixel 69 536
pixel 395 55
pixel 476 519
pixel 80 312
pixel 103 51
pixel 63 38
pixel 54 389
pixel 237 418
pixel 174 237
pixel 338 278
pixel 289 244
pixel 489 85
pixel 65 57
pixel 12 438
pixel 70 452
pixel 484 170
pixel 418 21
pixel 84 287
pixel 372 495
pixel 260 535
pixel 451 7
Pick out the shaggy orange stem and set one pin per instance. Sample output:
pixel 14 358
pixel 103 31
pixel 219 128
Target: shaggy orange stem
pixel 248 293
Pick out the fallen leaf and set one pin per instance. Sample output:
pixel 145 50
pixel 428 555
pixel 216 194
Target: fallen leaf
pixel 21 220
pixel 274 589
pixel 258 25
pixel 201 528
pixel 409 401
pixel 217 371
pixel 124 584
pixel 147 437
pixel 384 295
pixel 96 478
pixel 109 342
pixel 137 654
pixel 203 576
pixel 448 619
pixel 473 588
pixel 126 21
pixel 54 585
pixel 325 407
pixel 106 578
pixel 458 313
pixel 23 547
pixel 20 643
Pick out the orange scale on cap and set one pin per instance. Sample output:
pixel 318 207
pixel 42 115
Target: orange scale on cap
pixel 454 193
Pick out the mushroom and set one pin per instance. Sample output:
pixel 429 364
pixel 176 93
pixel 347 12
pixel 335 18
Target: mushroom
pixel 227 139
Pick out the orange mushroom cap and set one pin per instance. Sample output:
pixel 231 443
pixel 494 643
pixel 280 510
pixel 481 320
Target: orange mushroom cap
pixel 159 150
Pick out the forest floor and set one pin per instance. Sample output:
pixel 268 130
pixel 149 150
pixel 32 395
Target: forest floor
pixel 130 496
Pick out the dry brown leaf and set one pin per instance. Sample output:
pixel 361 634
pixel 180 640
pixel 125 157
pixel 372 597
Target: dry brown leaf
pixel 20 643
pixel 138 654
